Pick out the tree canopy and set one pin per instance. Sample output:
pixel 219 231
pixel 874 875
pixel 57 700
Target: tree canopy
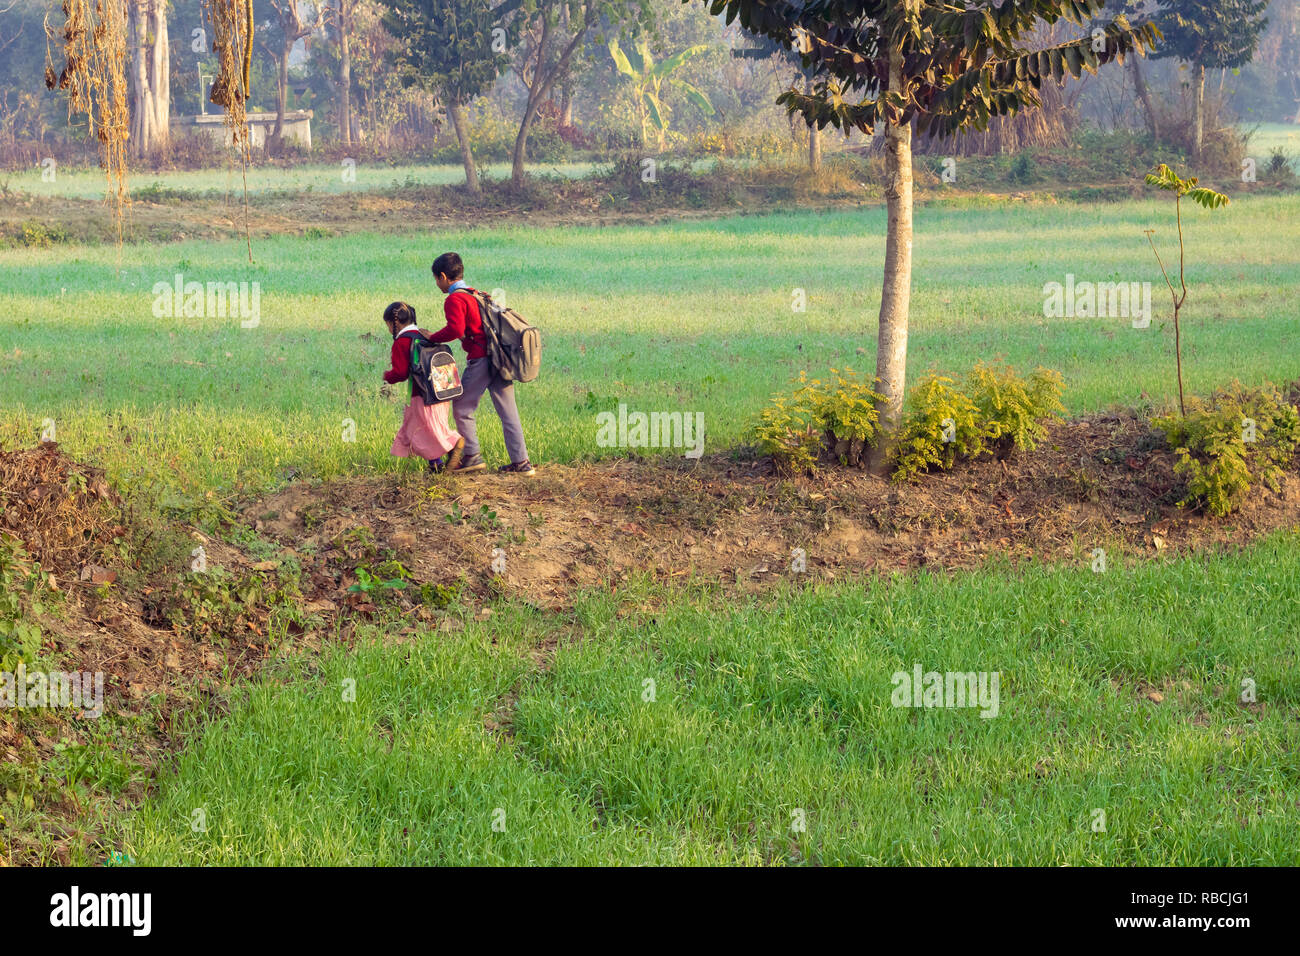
pixel 960 67
pixel 446 46
pixel 1216 34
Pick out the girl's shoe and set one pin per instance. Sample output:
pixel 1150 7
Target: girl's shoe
pixel 453 459
pixel 524 467
pixel 470 464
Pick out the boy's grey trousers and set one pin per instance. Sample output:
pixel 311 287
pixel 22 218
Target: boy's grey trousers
pixel 477 379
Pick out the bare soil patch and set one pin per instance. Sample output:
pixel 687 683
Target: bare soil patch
pixel 1099 481
pixel 222 218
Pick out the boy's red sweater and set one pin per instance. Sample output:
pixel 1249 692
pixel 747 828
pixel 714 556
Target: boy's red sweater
pixel 464 323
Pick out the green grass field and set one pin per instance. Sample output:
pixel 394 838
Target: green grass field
pixel 692 316
pixel 768 713
pixel 1270 136
pixel 768 716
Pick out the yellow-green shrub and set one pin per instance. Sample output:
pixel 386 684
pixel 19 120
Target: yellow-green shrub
pixel 1015 410
pixel 941 424
pixel 1214 447
pixel 785 430
pixel 845 410
pixel 838 415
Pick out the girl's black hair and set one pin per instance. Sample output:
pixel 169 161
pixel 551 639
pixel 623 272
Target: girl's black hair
pixel 401 313
pixel 449 264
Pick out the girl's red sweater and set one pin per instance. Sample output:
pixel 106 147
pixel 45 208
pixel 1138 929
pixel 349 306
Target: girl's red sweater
pixel 401 360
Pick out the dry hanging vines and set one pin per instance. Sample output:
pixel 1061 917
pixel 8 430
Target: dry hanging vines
pixel 94 75
pixel 93 46
pixel 232 32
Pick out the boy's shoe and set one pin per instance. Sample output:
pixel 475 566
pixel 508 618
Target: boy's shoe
pixel 470 464
pixel 454 457
pixel 517 468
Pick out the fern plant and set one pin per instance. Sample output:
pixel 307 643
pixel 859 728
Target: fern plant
pixel 1015 411
pixel 942 425
pixel 1225 445
pixel 20 638
pixel 785 430
pixel 838 415
pixel 846 411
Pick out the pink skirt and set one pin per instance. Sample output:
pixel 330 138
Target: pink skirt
pixel 424 431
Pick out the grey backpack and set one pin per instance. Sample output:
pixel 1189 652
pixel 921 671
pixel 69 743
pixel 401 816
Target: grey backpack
pixel 514 346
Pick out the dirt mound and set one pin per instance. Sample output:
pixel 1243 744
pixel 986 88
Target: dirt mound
pixel 1104 481
pixel 82 587
pixel 55 507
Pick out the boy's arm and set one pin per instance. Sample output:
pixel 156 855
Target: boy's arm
pixel 455 327
pixel 401 359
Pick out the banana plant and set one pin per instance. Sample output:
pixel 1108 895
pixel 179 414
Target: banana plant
pixel 650 79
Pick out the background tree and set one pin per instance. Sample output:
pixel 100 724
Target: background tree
pixel 1269 87
pixel 551 32
pixel 283 27
pixel 150 75
pixel 763 48
pixel 1220 34
pixel 945 68
pixel 341 20
pixel 27 112
pixel 448 47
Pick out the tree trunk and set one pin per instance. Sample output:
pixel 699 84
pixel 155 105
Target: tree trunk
pixel 282 92
pixel 543 81
pixel 1198 123
pixel 345 75
pixel 521 145
pixel 814 136
pixel 520 154
pixel 1144 95
pixel 456 110
pixel 150 76
pixel 896 293
pixel 566 104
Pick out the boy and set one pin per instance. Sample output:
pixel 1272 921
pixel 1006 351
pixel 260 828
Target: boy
pixel 464 322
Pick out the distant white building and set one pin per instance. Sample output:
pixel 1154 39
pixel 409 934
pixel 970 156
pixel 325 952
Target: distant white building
pixel 297 126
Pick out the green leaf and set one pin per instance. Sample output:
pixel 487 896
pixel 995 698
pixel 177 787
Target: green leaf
pixel 677 59
pixel 1208 197
pixel 653 105
pixel 647 58
pixel 620 60
pixel 697 97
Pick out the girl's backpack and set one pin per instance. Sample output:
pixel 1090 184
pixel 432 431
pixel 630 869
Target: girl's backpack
pixel 434 376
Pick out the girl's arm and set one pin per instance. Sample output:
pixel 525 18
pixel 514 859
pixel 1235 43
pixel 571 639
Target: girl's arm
pixel 401 361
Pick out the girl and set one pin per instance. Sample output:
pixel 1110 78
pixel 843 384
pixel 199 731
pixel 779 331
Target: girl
pixel 424 430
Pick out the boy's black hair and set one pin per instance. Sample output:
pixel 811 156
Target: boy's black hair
pixel 401 313
pixel 449 264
